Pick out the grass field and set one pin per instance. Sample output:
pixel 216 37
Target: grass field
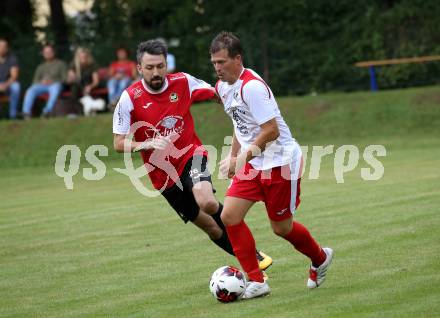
pixel 103 250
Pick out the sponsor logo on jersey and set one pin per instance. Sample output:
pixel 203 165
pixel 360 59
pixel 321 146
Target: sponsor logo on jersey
pixel 173 78
pixel 281 212
pixel 174 97
pixel 120 118
pixel 170 125
pixel 239 121
pixel 147 105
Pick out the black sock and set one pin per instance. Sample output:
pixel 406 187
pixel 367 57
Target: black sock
pixel 223 242
pixel 217 217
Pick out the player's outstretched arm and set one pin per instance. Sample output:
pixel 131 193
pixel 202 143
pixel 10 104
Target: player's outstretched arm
pixel 122 143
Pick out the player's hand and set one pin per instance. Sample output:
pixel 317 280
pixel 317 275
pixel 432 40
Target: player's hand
pixel 158 143
pixel 88 89
pixel 227 166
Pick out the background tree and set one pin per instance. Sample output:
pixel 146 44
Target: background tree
pixel 298 46
pixel 16 26
pixel 59 28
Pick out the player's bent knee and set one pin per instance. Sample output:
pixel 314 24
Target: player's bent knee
pixel 209 206
pixel 229 218
pixel 281 231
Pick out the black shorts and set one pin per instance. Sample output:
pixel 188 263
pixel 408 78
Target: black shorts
pixel 183 201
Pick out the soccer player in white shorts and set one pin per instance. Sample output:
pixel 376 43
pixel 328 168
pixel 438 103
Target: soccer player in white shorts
pixel 265 164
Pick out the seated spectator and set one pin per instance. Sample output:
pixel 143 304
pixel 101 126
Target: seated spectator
pixel 9 84
pixel 122 73
pixel 83 73
pixel 83 77
pixel 48 78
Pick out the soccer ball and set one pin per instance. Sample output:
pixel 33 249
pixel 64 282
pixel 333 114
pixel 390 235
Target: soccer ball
pixel 227 284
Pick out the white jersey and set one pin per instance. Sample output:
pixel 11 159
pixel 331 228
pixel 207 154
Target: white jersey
pixel 250 103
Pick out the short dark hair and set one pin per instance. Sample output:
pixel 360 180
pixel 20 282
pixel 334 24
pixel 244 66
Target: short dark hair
pixel 153 47
pixel 226 40
pixel 45 45
pixel 123 48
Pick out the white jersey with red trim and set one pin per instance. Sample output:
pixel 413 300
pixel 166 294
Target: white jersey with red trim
pixel 250 103
pixel 165 112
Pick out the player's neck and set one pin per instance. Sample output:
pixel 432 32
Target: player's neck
pixel 236 75
pixel 155 91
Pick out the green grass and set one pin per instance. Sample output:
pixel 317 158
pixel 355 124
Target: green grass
pixel 330 118
pixel 103 250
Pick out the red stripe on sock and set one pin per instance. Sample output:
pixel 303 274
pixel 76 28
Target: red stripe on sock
pixel 243 244
pixel 303 242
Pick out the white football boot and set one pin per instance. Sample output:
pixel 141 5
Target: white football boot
pixel 317 275
pixel 256 289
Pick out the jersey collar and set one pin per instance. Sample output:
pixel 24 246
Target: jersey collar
pixel 163 89
pixel 242 71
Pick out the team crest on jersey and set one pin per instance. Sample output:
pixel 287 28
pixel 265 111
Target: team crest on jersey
pixel 137 92
pixel 174 97
pixel 235 95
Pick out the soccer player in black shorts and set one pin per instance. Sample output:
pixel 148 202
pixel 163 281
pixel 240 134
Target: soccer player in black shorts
pixel 162 102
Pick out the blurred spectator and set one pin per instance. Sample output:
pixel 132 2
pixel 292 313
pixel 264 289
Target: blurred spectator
pixel 171 60
pixel 48 78
pixel 83 73
pixel 171 63
pixel 83 77
pixel 122 73
pixel 9 84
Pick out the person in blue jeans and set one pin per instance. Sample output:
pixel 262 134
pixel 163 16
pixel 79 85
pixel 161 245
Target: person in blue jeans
pixel 9 70
pixel 48 78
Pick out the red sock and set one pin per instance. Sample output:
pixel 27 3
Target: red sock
pixel 243 244
pixel 303 242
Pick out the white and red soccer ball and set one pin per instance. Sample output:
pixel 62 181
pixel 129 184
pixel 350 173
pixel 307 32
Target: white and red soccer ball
pixel 227 284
